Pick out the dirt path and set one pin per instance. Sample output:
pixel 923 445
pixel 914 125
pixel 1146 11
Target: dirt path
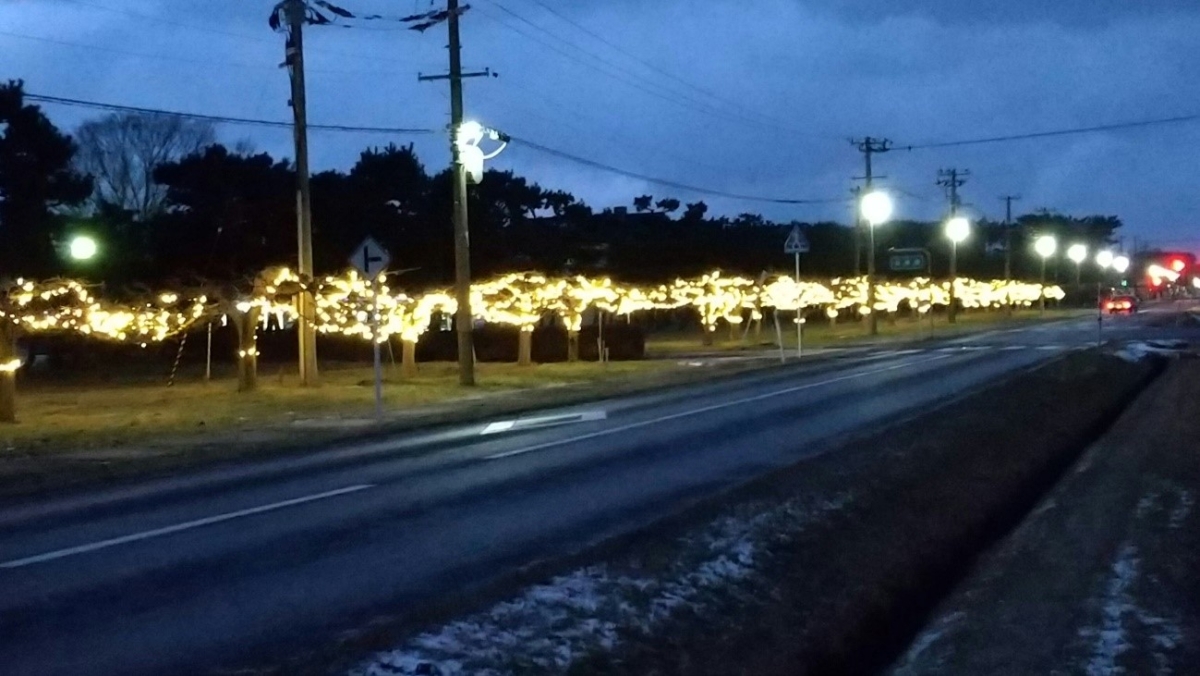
pixel 1101 579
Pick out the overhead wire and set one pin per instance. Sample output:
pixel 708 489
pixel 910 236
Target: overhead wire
pixel 216 31
pixel 622 74
pixel 533 145
pixel 1056 132
pixel 42 98
pixel 647 63
pixel 179 59
pixel 241 121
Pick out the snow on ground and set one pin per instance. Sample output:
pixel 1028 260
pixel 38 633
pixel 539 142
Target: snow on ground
pixel 1123 620
pixel 1138 350
pixel 1181 511
pixel 1110 639
pixel 908 663
pixel 549 626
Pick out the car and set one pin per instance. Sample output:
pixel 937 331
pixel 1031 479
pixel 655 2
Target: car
pixel 1121 305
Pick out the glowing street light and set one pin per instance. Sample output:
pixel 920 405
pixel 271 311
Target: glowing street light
pixel 957 230
pixel 876 207
pixel 1077 253
pixel 1045 246
pixel 1105 259
pixel 82 248
pixel 1120 264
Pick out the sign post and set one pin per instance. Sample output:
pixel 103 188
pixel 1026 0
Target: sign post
pixel 797 244
pixel 371 260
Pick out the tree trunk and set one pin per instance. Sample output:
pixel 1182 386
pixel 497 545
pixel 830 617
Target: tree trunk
pixel 8 376
pixel 247 325
pixel 525 347
pixel 708 335
pixel 408 360
pixel 572 346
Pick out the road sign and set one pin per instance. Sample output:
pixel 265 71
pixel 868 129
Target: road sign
pixel 908 260
pixel 370 258
pixel 796 242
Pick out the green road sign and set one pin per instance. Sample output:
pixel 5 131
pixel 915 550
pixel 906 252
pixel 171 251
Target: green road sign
pixel 908 260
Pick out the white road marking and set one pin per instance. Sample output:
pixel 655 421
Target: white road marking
pixel 543 421
pixel 168 530
pixel 702 410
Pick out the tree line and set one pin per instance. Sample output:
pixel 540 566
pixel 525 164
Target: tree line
pixel 169 203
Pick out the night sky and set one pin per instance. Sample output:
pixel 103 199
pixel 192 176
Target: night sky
pixel 753 97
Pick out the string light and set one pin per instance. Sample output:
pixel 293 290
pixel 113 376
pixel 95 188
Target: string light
pixel 349 305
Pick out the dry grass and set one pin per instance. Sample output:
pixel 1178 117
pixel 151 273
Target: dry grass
pixel 118 414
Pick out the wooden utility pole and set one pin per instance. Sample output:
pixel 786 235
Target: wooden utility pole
pixel 464 320
pixel 1008 200
pixel 869 146
pixel 856 191
pixel 952 180
pixel 295 11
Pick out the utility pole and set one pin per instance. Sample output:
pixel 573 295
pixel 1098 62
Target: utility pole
pixel 295 11
pixel 952 180
pixel 858 227
pixel 869 146
pixel 465 319
pixel 1008 200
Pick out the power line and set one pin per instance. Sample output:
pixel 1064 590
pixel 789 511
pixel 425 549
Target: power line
pixel 179 59
pixel 625 75
pixel 1059 132
pixel 644 62
pixel 218 31
pixel 666 182
pixel 250 122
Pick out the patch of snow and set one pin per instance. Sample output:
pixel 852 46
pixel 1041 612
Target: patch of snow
pixel 924 642
pixel 1146 504
pixel 549 626
pixel 1138 350
pixel 1181 511
pixel 1111 639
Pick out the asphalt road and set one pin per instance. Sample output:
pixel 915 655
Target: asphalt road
pixel 205 571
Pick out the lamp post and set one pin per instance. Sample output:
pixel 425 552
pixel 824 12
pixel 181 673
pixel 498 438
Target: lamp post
pixel 1045 246
pixel 1077 253
pixel 1104 260
pixel 876 208
pixel 957 230
pixel 1120 264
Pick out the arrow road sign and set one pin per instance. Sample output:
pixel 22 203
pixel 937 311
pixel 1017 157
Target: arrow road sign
pixel 370 258
pixel 796 242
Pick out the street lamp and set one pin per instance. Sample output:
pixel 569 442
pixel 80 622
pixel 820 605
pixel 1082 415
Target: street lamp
pixel 1045 246
pixel 82 248
pixel 876 208
pixel 1104 260
pixel 1120 264
pixel 957 230
pixel 1077 253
